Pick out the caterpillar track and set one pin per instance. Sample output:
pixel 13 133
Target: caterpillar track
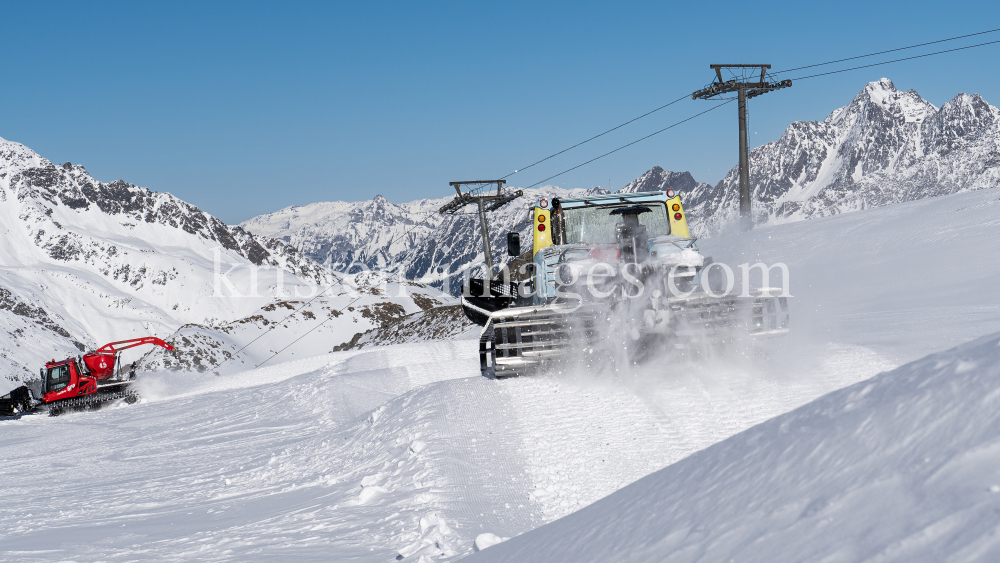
pixel 86 382
pixel 95 401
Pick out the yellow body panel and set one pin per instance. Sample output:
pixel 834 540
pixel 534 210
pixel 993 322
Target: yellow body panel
pixel 541 238
pixel 678 227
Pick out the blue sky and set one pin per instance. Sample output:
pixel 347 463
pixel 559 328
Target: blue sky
pixel 247 107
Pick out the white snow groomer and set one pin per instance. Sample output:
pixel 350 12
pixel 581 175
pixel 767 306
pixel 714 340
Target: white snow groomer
pixel 609 278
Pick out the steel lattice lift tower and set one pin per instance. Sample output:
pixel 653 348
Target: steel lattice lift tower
pixel 747 85
pixel 486 202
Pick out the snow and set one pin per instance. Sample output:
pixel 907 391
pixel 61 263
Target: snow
pixel 903 280
pixel 887 146
pixel 901 467
pixel 487 540
pixel 798 451
pixel 351 453
pixel 86 263
pixel 410 239
pixel 297 328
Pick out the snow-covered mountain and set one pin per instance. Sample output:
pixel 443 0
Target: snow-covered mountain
pixel 658 179
pixel 885 147
pixel 410 239
pixel 86 262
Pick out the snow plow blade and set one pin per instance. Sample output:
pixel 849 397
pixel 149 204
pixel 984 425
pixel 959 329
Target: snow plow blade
pixel 520 340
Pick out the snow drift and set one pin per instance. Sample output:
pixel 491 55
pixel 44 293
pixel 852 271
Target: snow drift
pixel 902 467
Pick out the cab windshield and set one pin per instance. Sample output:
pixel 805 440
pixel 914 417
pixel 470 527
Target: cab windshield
pixel 596 225
pixel 58 378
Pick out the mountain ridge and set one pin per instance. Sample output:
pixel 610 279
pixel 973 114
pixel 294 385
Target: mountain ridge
pixel 886 146
pixel 88 262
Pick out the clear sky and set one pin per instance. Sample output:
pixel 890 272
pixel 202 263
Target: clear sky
pixel 244 108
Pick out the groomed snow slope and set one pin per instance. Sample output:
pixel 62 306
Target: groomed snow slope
pixel 406 451
pixel 361 456
pixel 904 280
pixel 903 467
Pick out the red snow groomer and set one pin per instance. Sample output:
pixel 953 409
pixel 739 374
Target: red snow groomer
pixel 82 383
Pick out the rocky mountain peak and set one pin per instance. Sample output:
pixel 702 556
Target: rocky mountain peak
pixel 62 205
pixel 15 157
pixel 658 179
pixel 88 262
pixel 886 146
pixel 880 101
pixel 969 106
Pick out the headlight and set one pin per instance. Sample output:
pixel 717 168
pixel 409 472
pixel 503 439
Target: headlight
pixel 566 275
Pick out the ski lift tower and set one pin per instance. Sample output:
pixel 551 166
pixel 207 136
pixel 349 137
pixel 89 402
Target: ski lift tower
pixel 747 84
pixel 486 201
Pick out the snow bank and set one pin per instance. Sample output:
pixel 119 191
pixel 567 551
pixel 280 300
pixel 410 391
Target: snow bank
pixel 904 280
pixel 902 467
pixel 487 540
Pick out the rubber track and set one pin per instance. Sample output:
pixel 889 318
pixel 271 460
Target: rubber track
pixel 93 399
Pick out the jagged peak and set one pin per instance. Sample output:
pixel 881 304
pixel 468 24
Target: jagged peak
pixel 880 92
pixel 382 205
pixel 657 178
pixel 964 100
pixel 15 156
pixel 883 93
pixel 882 85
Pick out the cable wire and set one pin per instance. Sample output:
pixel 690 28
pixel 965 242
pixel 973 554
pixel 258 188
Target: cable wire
pixel 273 325
pixel 323 322
pixel 890 50
pixel 630 144
pixel 898 60
pixel 384 248
pixel 800 78
pixel 789 70
pixel 592 138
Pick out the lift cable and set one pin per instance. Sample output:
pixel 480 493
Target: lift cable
pixel 898 60
pixel 788 70
pixel 323 322
pixel 638 141
pixel 592 138
pixel 799 78
pixel 890 51
pixel 630 144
